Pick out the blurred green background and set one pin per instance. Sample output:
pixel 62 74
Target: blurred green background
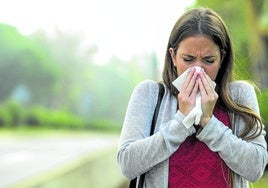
pixel 57 83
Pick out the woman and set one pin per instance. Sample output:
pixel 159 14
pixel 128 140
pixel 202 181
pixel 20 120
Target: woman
pixel 227 148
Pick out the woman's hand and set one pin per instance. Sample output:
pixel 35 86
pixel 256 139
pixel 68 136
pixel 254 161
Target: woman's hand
pixel 187 95
pixel 209 97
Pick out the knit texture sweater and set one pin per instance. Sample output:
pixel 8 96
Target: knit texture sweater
pixel 138 152
pixel 195 165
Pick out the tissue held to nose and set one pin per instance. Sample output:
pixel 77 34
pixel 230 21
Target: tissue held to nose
pixel 178 83
pixel 197 68
pixel 195 114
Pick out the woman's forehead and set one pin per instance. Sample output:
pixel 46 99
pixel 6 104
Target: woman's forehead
pixel 198 45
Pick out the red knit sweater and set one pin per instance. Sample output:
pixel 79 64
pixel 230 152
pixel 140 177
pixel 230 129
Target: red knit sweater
pixel 195 165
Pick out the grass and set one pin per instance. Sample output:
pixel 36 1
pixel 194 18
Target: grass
pixel 25 131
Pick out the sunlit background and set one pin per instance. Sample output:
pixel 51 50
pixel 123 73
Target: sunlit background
pixel 118 28
pixel 68 69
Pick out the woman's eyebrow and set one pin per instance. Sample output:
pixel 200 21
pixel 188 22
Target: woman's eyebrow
pixel 188 55
pixel 206 56
pixel 210 56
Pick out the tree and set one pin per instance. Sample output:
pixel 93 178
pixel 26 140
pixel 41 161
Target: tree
pixel 243 20
pixel 23 62
pixel 257 17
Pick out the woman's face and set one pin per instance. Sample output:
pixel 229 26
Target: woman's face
pixel 197 51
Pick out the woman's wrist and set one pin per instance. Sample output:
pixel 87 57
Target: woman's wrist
pixel 204 120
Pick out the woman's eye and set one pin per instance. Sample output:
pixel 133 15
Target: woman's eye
pixel 188 59
pixel 210 61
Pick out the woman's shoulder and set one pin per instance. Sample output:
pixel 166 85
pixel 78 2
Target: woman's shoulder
pixel 146 83
pixel 241 85
pixel 146 87
pixel 241 89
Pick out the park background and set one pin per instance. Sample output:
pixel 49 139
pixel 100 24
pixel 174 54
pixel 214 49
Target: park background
pixel 70 67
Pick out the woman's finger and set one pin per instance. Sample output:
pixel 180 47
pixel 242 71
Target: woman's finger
pixel 207 83
pixel 189 83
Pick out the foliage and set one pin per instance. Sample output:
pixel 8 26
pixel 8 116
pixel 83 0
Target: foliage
pixel 88 89
pixel 263 104
pixel 103 125
pixel 113 84
pixel 262 183
pixel 24 62
pixel 38 116
pixel 237 28
pixel 12 114
pixel 248 33
pixel 61 73
pixel 5 117
pixel 14 111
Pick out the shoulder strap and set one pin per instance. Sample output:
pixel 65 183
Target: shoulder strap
pixel 156 110
pixel 159 100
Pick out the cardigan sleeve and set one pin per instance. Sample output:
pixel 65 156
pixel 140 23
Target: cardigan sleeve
pixel 247 158
pixel 138 152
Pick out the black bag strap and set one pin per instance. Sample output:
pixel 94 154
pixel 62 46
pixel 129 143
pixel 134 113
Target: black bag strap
pixel 159 100
pixel 156 110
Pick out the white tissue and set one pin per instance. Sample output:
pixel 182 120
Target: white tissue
pixel 195 114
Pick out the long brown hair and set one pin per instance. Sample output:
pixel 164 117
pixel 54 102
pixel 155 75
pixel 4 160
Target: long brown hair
pixel 204 21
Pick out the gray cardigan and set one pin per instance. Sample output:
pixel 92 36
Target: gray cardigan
pixel 139 153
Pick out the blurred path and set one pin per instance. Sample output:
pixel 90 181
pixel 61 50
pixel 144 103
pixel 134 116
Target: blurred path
pixel 22 158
